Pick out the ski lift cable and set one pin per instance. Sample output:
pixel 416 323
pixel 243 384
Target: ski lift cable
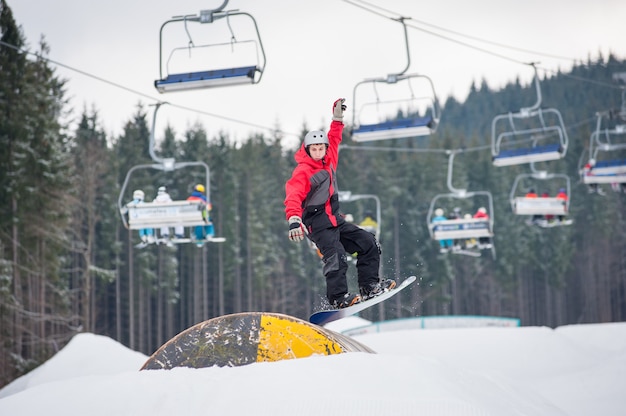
pixel 141 94
pixel 234 120
pixel 87 74
pixel 387 11
pixel 577 78
pixel 370 6
pixel 414 26
pixel 416 150
pixel 499 55
pixel 392 149
pixel 498 44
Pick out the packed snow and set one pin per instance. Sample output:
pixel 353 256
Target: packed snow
pixel 571 370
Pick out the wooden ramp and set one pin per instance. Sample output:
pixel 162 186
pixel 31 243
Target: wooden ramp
pixel 249 337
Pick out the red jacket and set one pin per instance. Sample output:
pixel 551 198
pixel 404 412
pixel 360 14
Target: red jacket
pixel 481 215
pixel 311 192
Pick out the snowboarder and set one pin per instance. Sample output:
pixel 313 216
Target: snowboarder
pixel 312 207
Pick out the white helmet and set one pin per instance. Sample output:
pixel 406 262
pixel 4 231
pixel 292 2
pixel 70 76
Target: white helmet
pixel 138 194
pixel 315 137
pixel 161 190
pixel 439 212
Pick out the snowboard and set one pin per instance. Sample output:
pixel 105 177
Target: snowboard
pixel 324 317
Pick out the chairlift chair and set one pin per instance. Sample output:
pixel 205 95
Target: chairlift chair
pixel 347 196
pixel 406 107
pixel 220 70
pixel 401 114
pixel 533 134
pixel 147 215
pixel 462 228
pixel 155 215
pixel 539 207
pixel 607 150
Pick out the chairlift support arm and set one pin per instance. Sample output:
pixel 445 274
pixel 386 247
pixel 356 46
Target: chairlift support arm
pixel 391 77
pixel 519 156
pixel 537 104
pixel 452 189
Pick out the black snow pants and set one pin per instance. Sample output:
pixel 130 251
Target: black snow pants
pixel 335 244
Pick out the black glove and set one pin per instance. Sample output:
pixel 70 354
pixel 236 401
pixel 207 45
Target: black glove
pixel 338 108
pixel 296 229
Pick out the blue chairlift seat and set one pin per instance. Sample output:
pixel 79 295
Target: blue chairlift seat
pixel 461 229
pixel 528 155
pixel 607 171
pixel 207 79
pixel 529 123
pixel 608 167
pixel 405 127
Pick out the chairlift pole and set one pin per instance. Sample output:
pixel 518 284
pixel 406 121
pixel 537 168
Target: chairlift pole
pixel 537 104
pixel 452 189
pixel 152 143
pixel 393 78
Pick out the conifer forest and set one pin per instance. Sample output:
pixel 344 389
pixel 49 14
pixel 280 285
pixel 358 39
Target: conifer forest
pixel 68 264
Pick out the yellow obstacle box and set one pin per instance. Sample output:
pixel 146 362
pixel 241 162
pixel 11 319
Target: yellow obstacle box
pixel 245 338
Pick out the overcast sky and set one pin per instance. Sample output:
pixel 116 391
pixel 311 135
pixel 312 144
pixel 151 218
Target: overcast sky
pixel 317 50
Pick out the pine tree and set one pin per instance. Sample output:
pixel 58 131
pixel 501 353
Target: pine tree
pixel 33 202
pixel 135 270
pixel 91 196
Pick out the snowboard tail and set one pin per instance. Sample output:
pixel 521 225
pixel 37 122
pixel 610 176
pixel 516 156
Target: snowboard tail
pixel 324 317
